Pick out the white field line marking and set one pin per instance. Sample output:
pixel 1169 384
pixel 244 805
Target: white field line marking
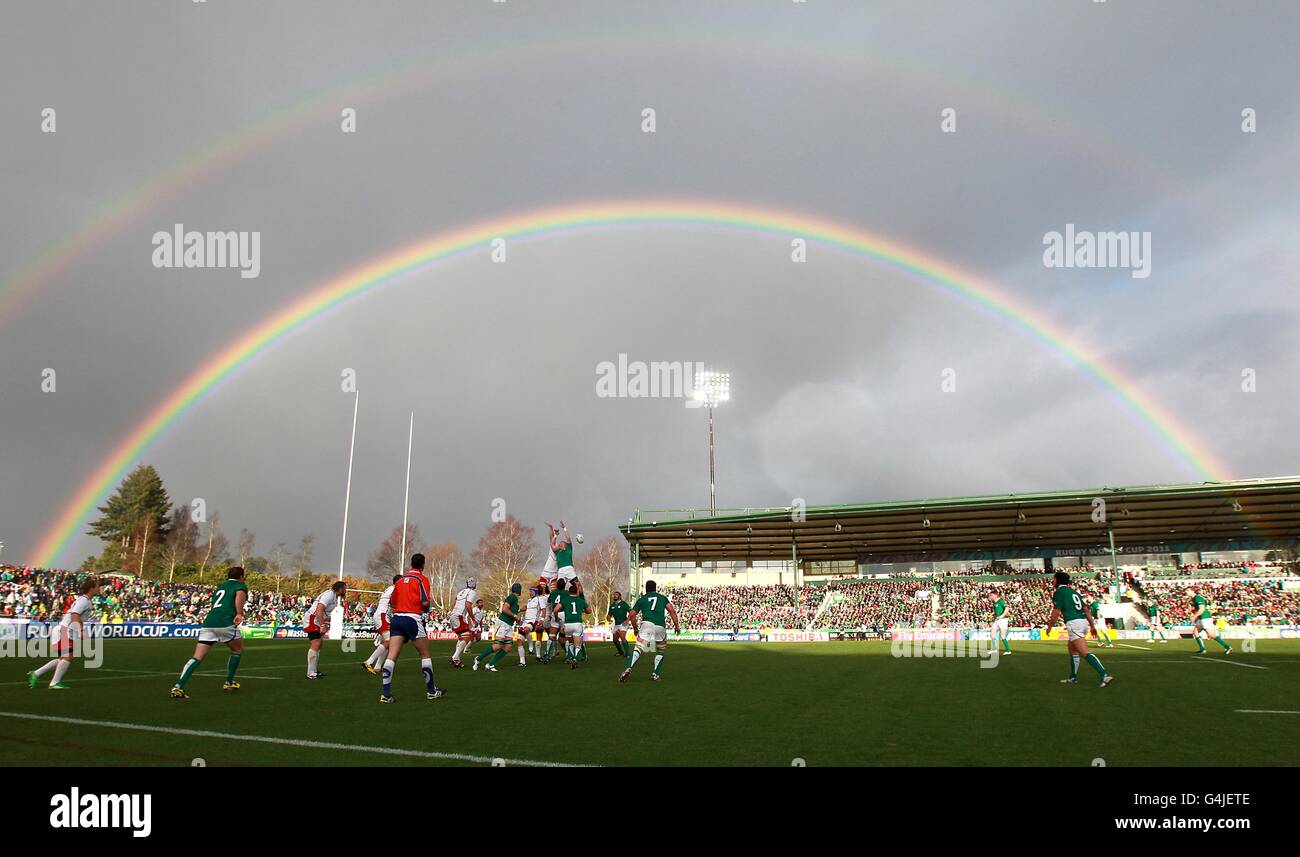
pixel 291 742
pixel 1139 648
pixel 1263 711
pixel 211 672
pixel 1208 660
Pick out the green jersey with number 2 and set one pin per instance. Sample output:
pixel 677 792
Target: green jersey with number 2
pixel 221 612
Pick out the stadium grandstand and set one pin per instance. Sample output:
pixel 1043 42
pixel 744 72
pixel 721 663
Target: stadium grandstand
pixel 870 567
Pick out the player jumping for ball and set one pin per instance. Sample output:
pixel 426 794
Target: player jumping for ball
pixel 409 604
pixel 651 629
pixel 221 625
pixel 1068 606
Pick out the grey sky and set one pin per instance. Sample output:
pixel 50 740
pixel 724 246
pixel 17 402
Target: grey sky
pixel 1115 116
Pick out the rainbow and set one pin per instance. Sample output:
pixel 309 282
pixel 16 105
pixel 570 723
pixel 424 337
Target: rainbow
pixel 584 217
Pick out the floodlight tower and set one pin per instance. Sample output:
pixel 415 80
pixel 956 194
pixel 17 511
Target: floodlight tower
pixel 711 390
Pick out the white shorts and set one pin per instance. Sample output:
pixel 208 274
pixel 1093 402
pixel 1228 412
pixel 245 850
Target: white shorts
pixel 651 632
pixel 220 635
pixel 567 573
pixel 1207 625
pixel 549 571
pixel 1076 629
pixel 1001 626
pixel 622 628
pixel 573 630
pixel 503 632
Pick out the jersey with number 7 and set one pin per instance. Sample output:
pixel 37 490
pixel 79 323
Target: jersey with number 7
pixel 650 607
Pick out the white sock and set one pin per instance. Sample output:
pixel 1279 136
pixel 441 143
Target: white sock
pixel 47 667
pixel 59 671
pixel 658 659
pixel 460 647
pixel 313 658
pixel 377 656
pixel 636 656
pixel 521 654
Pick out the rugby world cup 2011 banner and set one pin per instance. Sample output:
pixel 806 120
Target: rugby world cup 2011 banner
pixel 109 631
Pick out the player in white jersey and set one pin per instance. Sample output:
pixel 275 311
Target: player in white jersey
pixel 533 624
pixel 382 620
pixel 71 629
pixel 462 615
pixel 318 624
pixel 551 570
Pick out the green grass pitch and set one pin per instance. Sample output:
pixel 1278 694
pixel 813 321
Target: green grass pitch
pixel 847 703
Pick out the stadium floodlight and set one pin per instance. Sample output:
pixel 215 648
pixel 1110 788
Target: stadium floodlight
pixel 711 390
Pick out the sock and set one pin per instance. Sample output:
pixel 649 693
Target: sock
pixel 618 647
pixel 1096 664
pixel 496 657
pixel 47 667
pixel 1220 641
pixel 59 672
pixel 633 658
pixel 313 658
pixel 1199 645
pixel 521 654
pixel 426 665
pixel 460 647
pixel 231 666
pixel 582 650
pixel 190 666
pixel 389 666
pixel 1007 643
pixel 483 654
pixel 377 656
pixel 659 662
pixel 1074 666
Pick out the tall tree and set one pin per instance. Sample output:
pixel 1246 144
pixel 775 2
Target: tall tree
pixel 503 557
pixel 387 559
pixel 181 544
pixel 445 568
pixel 602 570
pixel 135 516
pixel 302 561
pixel 215 546
pixel 246 542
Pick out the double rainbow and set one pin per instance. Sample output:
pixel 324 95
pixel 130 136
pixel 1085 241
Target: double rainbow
pixel 687 214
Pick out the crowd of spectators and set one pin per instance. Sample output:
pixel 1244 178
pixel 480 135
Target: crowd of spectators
pixel 43 595
pixel 1241 602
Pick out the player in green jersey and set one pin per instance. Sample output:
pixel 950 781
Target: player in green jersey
pixel 221 625
pixel 651 629
pixel 1001 621
pixel 1067 606
pixel 1203 623
pixel 1153 620
pixel 503 630
pixel 571 607
pixel 1099 623
pixel 617 613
